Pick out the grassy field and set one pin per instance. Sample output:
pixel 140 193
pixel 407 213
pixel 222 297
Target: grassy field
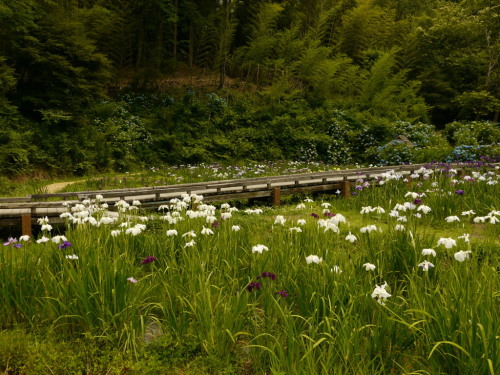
pixel 394 280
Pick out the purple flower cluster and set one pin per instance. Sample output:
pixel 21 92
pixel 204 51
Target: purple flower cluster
pixel 316 216
pixel 10 241
pixel 254 285
pixel 148 260
pixel 459 192
pixel 272 276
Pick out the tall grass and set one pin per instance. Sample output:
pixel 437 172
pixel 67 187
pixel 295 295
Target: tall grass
pixel 317 318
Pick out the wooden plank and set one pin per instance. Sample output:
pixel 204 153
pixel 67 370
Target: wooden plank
pixel 15 199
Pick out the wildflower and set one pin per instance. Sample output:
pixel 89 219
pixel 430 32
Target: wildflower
pixel 46 227
pixel 296 229
pixel 215 224
pixel 399 227
pixel 351 238
pixel 369 266
pixel 380 293
pixel 465 237
pixel 24 238
pixel 99 197
pixel 190 243
pixel 253 285
pixel 207 231
pixel 425 209
pixel 308 200
pixel 148 260
pixel 325 205
pixel 73 256
pixel 134 231
pixel 468 213
pixel 316 216
pixel 226 215
pixel 332 227
pixel 224 206
pixel 191 233
pixel 368 228
pixel 64 245
pixel 313 259
pixel 300 206
pixel 462 255
pixel 417 201
pixel 132 280
pixel 379 210
pixel 282 293
pixel 459 192
pixel 42 240
pixel 447 242
pixel 235 228
pixel 171 232
pixel 57 239
pixel 428 252
pixel 301 222
pixel 17 245
pixel 43 220
pixel 280 220
pixel 493 219
pixel 10 241
pixel 451 219
pixel 115 233
pixel 336 269
pixel 426 265
pixel 271 275
pixel 480 219
pixel 259 249
pixel 366 210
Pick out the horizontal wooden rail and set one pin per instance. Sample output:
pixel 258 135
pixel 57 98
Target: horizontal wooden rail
pixel 255 187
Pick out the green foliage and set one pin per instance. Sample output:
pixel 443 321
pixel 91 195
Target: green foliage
pixel 473 133
pixel 394 153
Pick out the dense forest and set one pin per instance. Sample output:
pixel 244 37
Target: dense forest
pixel 88 85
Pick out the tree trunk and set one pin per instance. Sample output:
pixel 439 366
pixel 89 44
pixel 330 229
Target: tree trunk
pixel 174 37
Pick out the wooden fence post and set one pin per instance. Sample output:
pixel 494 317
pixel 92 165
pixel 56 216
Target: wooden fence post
pixel 346 187
pixel 26 225
pixel 276 196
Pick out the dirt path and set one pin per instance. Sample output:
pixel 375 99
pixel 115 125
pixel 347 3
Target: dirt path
pixel 58 186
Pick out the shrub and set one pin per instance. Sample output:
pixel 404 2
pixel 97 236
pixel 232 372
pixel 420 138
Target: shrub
pixel 394 153
pixel 473 133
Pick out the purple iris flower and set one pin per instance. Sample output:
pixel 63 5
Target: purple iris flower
pixel 417 201
pixel 10 241
pixel 282 293
pixel 315 215
pixel 18 245
pixel 272 276
pixel 253 285
pixel 148 260
pixel 215 224
pixel 459 192
pixel 329 214
pixel 64 245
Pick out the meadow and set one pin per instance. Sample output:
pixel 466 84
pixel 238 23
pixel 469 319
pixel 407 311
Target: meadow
pixel 398 279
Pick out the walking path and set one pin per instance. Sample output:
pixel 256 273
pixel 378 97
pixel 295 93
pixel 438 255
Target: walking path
pixel 58 186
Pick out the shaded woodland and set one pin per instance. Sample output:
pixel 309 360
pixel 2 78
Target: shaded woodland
pixel 82 82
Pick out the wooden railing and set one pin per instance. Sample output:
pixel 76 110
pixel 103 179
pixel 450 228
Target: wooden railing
pixel 36 205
